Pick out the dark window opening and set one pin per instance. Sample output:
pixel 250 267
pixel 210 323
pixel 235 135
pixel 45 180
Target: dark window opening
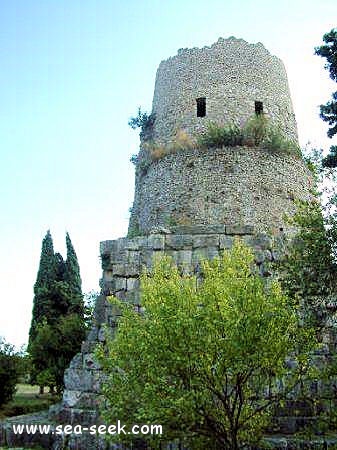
pixel 201 107
pixel 258 108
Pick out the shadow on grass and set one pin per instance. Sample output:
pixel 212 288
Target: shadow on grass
pixel 27 400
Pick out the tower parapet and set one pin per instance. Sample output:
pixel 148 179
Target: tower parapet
pixel 226 82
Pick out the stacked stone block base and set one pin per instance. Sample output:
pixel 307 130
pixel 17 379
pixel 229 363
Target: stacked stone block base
pixel 123 260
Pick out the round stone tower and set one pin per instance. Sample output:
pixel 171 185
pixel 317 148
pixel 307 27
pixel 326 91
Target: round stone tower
pixel 229 82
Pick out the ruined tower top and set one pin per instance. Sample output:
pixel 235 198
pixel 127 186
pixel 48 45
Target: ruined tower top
pixel 226 82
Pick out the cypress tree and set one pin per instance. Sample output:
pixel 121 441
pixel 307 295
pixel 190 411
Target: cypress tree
pixel 73 278
pixel 46 276
pixel 58 324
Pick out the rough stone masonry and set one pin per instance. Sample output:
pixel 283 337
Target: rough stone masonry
pixel 223 192
pixel 234 80
pixel 214 195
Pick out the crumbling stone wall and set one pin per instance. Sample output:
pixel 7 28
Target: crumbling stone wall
pixel 123 261
pixel 220 186
pixel 231 74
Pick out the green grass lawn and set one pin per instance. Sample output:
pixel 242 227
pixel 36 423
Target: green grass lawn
pixel 27 400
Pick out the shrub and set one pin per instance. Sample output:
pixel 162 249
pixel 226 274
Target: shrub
pixel 220 136
pixel 276 142
pixel 134 159
pixel 158 152
pixel 256 130
pixel 182 141
pixel 204 356
pixel 9 372
pixel 143 120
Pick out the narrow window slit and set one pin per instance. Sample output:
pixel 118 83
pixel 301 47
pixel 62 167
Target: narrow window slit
pixel 258 108
pixel 201 107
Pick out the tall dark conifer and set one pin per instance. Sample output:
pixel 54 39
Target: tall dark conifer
pixel 73 278
pixel 58 325
pixel 42 304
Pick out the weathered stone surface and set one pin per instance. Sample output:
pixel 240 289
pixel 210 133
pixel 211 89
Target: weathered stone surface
pixel 78 379
pixel 126 270
pixel 132 283
pixel 88 346
pixel 135 243
pixel 226 242
pixel 83 415
pixel 261 240
pixel 132 297
pixel 218 73
pixel 199 255
pixel 119 270
pixel 71 398
pixel 184 257
pixel 148 257
pixel 212 195
pixel 106 247
pixel 239 229
pixel 92 335
pixel 212 187
pixel 101 334
pixel 205 240
pixel 120 295
pixel 179 241
pixel 233 203
pixel 156 242
pixel 120 284
pixel 77 361
pixel 199 229
pixel 259 256
pixel 107 275
pixel 99 311
pixel 160 230
pixel 90 363
pixel 133 257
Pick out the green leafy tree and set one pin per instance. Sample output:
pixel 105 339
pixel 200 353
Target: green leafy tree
pixel 204 359
pixel 58 343
pixel 308 269
pixel 329 111
pixel 9 371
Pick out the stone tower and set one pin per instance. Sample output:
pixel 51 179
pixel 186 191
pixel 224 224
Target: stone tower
pixel 193 203
pixel 228 82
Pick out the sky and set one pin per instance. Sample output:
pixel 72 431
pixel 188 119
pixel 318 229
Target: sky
pixel 72 73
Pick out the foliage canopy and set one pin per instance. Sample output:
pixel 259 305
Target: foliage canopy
pixel 203 359
pixel 58 326
pixel 329 111
pixel 9 371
